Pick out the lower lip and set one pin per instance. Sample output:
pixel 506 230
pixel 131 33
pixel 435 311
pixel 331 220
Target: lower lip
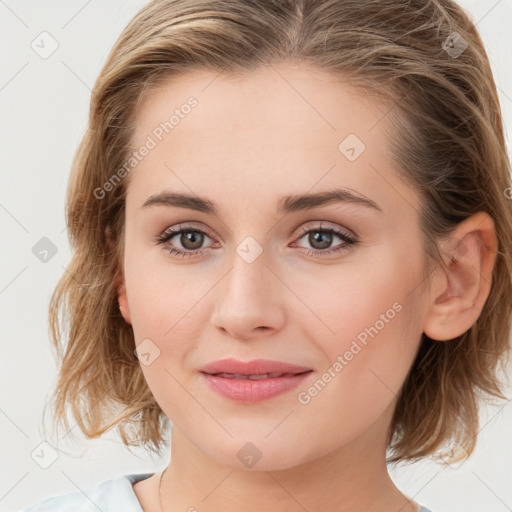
pixel 246 390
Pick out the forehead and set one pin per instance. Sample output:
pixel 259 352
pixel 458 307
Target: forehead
pixel 286 98
pixel 283 127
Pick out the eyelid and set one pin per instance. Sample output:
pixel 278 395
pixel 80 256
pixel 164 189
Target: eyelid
pixel 308 226
pixel 184 226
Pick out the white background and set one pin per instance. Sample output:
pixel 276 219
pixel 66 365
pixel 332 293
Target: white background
pixel 44 107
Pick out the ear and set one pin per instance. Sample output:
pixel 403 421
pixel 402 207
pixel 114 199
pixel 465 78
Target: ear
pixel 120 284
pixel 123 303
pixel 461 288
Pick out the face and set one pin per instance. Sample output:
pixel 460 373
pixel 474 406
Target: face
pixel 334 287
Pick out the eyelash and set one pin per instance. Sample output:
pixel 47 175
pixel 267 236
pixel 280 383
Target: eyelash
pixel 170 233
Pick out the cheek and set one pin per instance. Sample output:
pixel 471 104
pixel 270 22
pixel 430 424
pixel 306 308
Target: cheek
pixel 365 294
pixel 169 307
pixel 160 294
pixel 364 371
pixel 164 308
pixel 374 322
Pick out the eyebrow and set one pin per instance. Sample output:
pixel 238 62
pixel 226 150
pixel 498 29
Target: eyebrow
pixel 287 204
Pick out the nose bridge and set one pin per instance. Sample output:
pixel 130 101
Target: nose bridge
pixel 249 295
pixel 248 282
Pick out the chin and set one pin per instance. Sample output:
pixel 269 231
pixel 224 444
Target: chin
pixel 257 456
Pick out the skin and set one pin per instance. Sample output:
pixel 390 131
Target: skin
pixel 251 140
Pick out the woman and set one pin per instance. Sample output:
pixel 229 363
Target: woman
pixel 292 240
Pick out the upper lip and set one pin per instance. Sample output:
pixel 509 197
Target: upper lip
pixel 254 367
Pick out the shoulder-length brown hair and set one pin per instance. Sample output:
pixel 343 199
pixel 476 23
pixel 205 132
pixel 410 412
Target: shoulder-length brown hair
pixel 423 56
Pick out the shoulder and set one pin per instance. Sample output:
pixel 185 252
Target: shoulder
pixel 108 496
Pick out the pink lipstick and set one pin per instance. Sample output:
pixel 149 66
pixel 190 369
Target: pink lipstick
pixel 253 381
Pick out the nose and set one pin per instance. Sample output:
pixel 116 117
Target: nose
pixel 249 300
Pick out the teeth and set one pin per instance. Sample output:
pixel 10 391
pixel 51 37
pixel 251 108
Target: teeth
pixel 253 377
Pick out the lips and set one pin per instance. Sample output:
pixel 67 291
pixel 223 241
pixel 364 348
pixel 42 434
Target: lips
pixel 253 381
pixel 255 369
pixel 253 377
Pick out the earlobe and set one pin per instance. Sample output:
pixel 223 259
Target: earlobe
pixel 123 303
pixel 462 286
pixel 120 285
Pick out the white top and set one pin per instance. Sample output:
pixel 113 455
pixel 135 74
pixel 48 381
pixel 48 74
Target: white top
pixel 114 495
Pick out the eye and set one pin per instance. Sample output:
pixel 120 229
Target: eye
pixel 321 238
pixel 191 239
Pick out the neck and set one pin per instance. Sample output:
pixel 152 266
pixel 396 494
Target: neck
pixel 353 478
